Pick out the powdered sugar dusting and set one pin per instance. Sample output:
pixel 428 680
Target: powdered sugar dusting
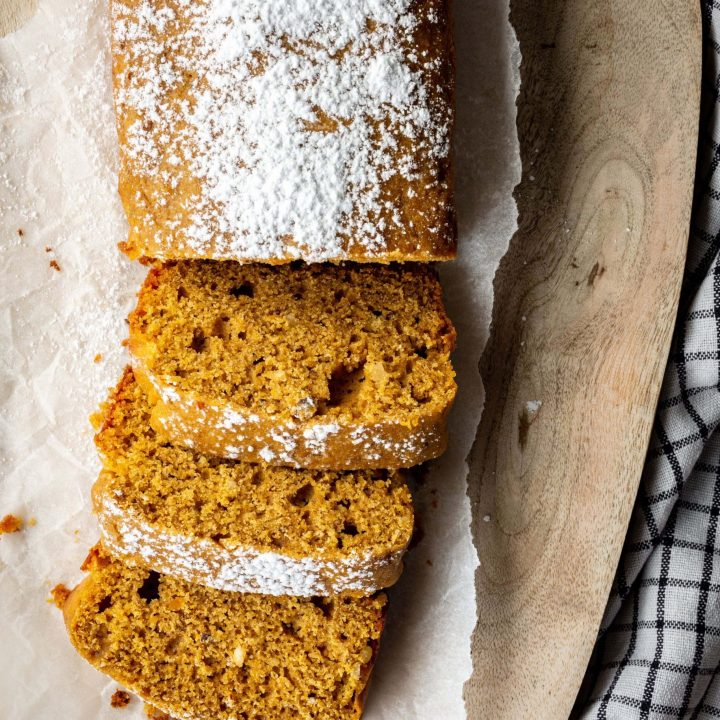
pixel 293 115
pixel 316 435
pixel 234 432
pixel 242 568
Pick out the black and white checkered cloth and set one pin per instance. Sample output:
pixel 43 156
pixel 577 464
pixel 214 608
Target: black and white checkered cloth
pixel 658 652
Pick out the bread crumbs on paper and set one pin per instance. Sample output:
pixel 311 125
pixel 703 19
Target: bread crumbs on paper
pixel 98 358
pixel 58 595
pixel 55 265
pixel 120 699
pixel 10 524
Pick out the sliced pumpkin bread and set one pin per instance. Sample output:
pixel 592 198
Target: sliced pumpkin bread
pixel 337 367
pixel 198 653
pixel 239 526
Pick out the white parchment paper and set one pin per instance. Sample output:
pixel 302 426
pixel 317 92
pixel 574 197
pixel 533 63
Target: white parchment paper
pixel 60 334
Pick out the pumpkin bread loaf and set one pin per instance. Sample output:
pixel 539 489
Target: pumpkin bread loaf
pixel 337 367
pixel 273 130
pixel 203 654
pixel 239 526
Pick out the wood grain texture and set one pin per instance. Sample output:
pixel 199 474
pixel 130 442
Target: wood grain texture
pixel 585 303
pixel 14 14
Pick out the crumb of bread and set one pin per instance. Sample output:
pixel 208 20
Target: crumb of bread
pixel 55 265
pixel 119 699
pixel 59 594
pixel 32 522
pixel 48 249
pixel 21 232
pixel 94 558
pixel 98 358
pixel 10 524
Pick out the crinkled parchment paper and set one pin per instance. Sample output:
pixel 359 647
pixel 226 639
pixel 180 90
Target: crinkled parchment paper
pixel 60 334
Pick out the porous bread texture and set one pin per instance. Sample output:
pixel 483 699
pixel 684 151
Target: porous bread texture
pixel 239 526
pixel 200 654
pixel 269 130
pixel 336 367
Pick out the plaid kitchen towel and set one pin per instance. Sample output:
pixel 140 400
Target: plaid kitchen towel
pixel 658 651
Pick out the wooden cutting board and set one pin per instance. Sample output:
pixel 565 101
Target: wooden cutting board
pixel 13 13
pixel 585 303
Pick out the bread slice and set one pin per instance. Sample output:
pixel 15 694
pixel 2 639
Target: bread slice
pixel 202 654
pixel 243 527
pixel 338 367
pixel 271 131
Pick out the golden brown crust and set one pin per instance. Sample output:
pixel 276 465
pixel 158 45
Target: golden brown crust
pixel 154 714
pixel 382 444
pixel 163 190
pixel 223 567
pixel 199 653
pixel 74 598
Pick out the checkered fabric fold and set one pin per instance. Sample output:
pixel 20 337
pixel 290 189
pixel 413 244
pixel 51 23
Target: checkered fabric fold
pixel 658 651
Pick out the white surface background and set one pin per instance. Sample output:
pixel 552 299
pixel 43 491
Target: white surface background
pixel 58 165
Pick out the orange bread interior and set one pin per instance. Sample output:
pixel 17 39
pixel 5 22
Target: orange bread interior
pixel 199 653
